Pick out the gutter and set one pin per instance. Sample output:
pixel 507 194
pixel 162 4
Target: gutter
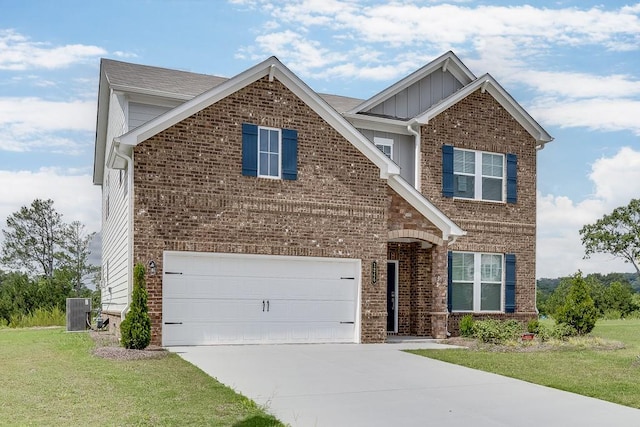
pixel 417 165
pixel 120 153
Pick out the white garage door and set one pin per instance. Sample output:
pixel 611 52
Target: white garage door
pixel 211 298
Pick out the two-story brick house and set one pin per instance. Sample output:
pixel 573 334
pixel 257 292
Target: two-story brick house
pixel 266 212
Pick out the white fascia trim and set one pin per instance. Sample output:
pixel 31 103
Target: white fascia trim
pixel 151 92
pixel 382 124
pixel 454 66
pixel 425 207
pixel 488 83
pixel 271 66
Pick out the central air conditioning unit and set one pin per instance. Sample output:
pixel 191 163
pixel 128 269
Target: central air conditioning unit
pixel 78 314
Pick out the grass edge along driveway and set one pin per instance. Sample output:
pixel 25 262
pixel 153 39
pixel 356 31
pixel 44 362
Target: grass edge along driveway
pixel 610 375
pixel 50 377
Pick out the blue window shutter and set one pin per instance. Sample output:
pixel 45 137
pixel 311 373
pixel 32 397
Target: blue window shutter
pixel 289 154
pixel 510 283
pixel 449 280
pixel 512 178
pixel 249 149
pixel 447 170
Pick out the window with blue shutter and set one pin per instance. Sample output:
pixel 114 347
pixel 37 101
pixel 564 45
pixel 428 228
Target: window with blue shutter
pixel 512 178
pixel 510 283
pixel 269 152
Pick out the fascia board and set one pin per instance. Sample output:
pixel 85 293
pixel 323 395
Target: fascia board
pixel 102 118
pixel 196 104
pixel 455 67
pixel 425 207
pixel 503 98
pixel 151 92
pixel 378 123
pixel 387 166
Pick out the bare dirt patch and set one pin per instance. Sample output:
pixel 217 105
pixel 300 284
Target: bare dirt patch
pixel 108 347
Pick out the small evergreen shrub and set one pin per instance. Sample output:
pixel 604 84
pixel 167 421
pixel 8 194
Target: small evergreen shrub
pixel 496 332
pixel 135 329
pixel 533 326
pixel 467 326
pixel 579 310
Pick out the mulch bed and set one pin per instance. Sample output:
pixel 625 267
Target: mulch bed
pixel 108 347
pixel 590 343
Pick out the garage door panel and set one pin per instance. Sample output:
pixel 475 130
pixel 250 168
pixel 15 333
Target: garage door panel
pixel 244 299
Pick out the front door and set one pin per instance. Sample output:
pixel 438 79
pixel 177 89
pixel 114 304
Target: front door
pixel 392 296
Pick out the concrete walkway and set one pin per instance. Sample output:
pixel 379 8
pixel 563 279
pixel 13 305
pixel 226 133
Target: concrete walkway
pixel 379 385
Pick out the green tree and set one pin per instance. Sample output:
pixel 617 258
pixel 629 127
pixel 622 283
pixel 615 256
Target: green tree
pixel 617 233
pixel 578 311
pixel 135 329
pixel 33 240
pixel 619 296
pixel 75 257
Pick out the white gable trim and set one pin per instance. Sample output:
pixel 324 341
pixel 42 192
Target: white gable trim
pixel 273 68
pixel 448 62
pixel 449 229
pixel 489 84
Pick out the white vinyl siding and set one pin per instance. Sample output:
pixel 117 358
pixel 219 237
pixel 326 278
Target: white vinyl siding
pixel 140 114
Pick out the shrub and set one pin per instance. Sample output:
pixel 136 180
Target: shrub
pixel 559 331
pixel 533 326
pixel 467 326
pixel 612 314
pixel 135 329
pixel 497 332
pixel 579 310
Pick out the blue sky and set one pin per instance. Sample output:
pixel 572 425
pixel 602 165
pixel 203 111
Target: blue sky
pixel 574 65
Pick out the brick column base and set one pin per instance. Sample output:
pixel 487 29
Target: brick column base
pixel 439 324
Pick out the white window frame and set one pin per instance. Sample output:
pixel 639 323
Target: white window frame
pixel 384 142
pixel 279 131
pixel 477 192
pixel 477 283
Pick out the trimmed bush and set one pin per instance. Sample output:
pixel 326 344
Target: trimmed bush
pixel 466 326
pixel 497 332
pixel 533 326
pixel 135 329
pixel 579 310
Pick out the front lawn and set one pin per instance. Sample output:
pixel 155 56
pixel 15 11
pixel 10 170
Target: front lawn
pixel 604 374
pixel 50 377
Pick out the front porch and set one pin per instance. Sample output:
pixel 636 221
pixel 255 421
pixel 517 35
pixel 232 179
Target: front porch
pixel 416 285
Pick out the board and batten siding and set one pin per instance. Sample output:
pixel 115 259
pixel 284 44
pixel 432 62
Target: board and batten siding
pixel 419 97
pixel 139 113
pixel 115 226
pixel 403 151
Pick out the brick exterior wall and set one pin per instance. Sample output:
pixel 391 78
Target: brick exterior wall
pixel 479 122
pixel 190 195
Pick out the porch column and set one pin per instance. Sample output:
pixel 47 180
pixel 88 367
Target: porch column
pixel 438 283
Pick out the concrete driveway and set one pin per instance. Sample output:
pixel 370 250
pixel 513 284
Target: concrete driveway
pixel 379 385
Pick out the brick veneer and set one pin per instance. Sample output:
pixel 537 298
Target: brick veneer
pixel 190 195
pixel 479 122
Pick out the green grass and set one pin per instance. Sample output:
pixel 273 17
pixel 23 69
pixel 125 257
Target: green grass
pixel 39 317
pixel 604 374
pixel 50 377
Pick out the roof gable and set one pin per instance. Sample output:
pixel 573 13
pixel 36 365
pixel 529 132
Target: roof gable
pixel 419 90
pixel 488 84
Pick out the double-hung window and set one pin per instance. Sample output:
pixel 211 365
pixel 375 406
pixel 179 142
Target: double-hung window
pixel 478 175
pixel 385 145
pixel 477 282
pixel 269 150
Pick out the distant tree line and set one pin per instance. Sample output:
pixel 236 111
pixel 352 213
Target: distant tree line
pixel 615 295
pixel 44 261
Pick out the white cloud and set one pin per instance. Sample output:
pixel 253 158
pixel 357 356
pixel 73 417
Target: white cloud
pixel 560 252
pixel 17 52
pixel 74 196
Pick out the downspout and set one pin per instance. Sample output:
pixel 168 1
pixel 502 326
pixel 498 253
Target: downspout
pixel 129 160
pixel 417 166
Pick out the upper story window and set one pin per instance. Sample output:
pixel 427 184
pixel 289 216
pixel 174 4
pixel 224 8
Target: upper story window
pixel 481 282
pixel 479 175
pixel 385 145
pixel 269 152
